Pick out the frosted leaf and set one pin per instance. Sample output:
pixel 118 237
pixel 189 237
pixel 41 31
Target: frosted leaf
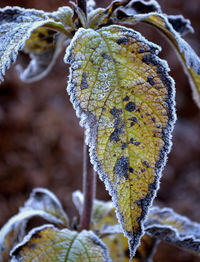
pixel 44 200
pixel 13 231
pixel 116 84
pixel 172 27
pixel 48 243
pixel 44 46
pixel 16 26
pixel 169 226
pixel 90 5
pixel 41 203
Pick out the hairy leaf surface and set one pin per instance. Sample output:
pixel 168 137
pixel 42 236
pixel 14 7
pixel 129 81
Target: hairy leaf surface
pixel 125 98
pixel 172 27
pixel 41 203
pixel 16 26
pixel 169 226
pixel 48 243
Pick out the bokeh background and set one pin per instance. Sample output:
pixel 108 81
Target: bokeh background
pixel 41 140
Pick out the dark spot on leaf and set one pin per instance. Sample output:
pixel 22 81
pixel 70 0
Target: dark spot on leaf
pixel 122 40
pixel 124 145
pixel 137 143
pixel 143 170
pixel 41 35
pixel 141 50
pixel 84 84
pixel 121 167
pixel 130 106
pixel 131 169
pixel 131 141
pixel 126 98
pixel 117 132
pixel 146 164
pixel 153 119
pixel 150 80
pixel 105 56
pixel 115 112
pixel 32 246
pixel 158 126
pixel 49 39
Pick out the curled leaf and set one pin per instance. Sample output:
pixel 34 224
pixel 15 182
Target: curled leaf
pixel 16 26
pixel 169 226
pixel 44 200
pixel 48 243
pixel 44 46
pixel 125 98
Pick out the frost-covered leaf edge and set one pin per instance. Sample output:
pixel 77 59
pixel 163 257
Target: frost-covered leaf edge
pixel 170 233
pixel 89 122
pixel 45 192
pixel 27 238
pixel 21 45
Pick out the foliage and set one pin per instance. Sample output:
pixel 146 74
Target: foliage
pixel 124 96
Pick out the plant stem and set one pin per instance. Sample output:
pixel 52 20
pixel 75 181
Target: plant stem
pixel 83 5
pixel 89 189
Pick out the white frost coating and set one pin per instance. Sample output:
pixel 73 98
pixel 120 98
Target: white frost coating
pixel 28 237
pixel 169 226
pixel 16 26
pixel 90 5
pixel 18 220
pixel 184 25
pixel 81 239
pixel 39 66
pixel 89 121
pixel 45 200
pixel 191 58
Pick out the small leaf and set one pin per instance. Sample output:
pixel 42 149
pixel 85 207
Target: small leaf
pixel 172 29
pixel 44 200
pixel 167 225
pixel 16 26
pixel 41 203
pixel 125 99
pixel 48 243
pixel 44 46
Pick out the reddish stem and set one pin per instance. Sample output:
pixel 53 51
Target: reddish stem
pixel 89 189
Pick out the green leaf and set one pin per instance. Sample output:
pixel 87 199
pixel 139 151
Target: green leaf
pixel 48 243
pixel 123 94
pixel 16 26
pixel 41 203
pixel 172 27
pixel 178 230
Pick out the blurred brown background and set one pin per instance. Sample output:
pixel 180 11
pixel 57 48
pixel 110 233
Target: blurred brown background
pixel 41 141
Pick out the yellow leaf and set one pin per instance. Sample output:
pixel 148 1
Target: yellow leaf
pixel 125 98
pixel 191 61
pixel 49 244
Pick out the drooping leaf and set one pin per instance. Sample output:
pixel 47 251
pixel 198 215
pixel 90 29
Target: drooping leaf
pixel 41 203
pixel 44 46
pixel 125 99
pixel 172 27
pixel 44 200
pixel 169 226
pixel 48 243
pixel 16 26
